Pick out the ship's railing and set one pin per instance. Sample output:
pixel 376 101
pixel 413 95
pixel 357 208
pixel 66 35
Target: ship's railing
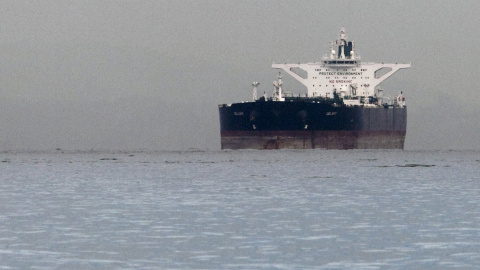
pixel 311 99
pixel 341 62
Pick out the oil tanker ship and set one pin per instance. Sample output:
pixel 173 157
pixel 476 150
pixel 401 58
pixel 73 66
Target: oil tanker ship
pixel 344 108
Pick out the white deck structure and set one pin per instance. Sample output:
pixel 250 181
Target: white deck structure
pixel 341 72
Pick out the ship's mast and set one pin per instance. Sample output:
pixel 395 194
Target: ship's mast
pixel 277 89
pixel 343 42
pixel 345 48
pixel 255 84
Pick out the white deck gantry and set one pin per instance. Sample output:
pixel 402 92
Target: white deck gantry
pixel 342 73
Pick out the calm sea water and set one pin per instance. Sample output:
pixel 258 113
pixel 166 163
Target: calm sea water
pixel 312 209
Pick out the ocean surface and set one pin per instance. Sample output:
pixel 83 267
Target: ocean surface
pixel 279 209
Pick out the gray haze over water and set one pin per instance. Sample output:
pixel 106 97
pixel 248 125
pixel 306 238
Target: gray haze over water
pixel 83 75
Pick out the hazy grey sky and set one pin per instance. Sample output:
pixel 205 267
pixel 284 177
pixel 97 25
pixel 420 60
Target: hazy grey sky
pixel 126 75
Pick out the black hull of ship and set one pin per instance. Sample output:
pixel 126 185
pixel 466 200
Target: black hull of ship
pixel 309 125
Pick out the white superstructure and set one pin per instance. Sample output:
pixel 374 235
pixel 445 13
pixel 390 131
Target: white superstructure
pixel 342 73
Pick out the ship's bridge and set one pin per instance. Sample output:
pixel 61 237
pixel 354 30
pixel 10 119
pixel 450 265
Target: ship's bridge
pixel 341 63
pixel 342 73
